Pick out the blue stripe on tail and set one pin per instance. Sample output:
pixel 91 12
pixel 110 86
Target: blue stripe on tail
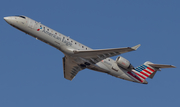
pixel 141 68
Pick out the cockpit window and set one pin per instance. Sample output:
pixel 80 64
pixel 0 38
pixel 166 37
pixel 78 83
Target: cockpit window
pixel 23 17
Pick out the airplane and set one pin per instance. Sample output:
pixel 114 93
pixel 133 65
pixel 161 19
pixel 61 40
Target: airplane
pixel 78 57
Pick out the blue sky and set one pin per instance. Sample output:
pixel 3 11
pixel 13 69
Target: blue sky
pixel 31 73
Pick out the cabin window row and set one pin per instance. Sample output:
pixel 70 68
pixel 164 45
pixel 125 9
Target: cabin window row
pixel 67 38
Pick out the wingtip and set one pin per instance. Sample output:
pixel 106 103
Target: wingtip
pixel 136 47
pixel 172 66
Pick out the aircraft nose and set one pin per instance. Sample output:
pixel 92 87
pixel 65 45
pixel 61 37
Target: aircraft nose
pixel 7 19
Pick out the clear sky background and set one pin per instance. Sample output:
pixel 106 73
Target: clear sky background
pixel 31 72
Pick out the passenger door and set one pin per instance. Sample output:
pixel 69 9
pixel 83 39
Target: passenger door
pixel 31 23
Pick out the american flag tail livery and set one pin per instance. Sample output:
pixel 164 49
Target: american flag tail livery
pixel 148 69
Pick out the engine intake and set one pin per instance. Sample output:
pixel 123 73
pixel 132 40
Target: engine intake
pixel 124 63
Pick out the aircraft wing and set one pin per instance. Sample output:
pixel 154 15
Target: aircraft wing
pixel 98 55
pixel 70 68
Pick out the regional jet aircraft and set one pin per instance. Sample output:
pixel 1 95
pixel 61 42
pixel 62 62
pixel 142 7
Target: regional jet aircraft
pixel 78 56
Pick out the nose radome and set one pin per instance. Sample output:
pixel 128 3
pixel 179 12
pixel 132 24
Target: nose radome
pixel 7 19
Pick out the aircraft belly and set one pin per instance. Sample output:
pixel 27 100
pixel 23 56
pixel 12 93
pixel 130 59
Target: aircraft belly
pixel 116 71
pixel 103 66
pixel 108 67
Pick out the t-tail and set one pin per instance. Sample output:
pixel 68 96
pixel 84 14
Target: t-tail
pixel 148 69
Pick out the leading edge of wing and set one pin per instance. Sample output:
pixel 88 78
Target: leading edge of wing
pixel 102 51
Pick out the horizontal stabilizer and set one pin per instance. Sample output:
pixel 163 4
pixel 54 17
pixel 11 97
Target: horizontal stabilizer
pixel 161 66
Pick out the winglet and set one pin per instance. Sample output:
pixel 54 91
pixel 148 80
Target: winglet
pixel 136 47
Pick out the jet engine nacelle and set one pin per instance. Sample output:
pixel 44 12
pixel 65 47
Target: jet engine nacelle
pixel 124 63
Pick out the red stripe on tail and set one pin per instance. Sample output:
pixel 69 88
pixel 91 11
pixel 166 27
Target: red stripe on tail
pixel 147 72
pixel 144 74
pixel 134 76
pixel 140 75
pixel 150 69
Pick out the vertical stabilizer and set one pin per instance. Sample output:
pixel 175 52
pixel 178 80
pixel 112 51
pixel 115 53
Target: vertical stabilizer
pixel 148 69
pixel 144 71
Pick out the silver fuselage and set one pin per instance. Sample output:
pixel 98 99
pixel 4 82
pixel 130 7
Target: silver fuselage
pixel 65 45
